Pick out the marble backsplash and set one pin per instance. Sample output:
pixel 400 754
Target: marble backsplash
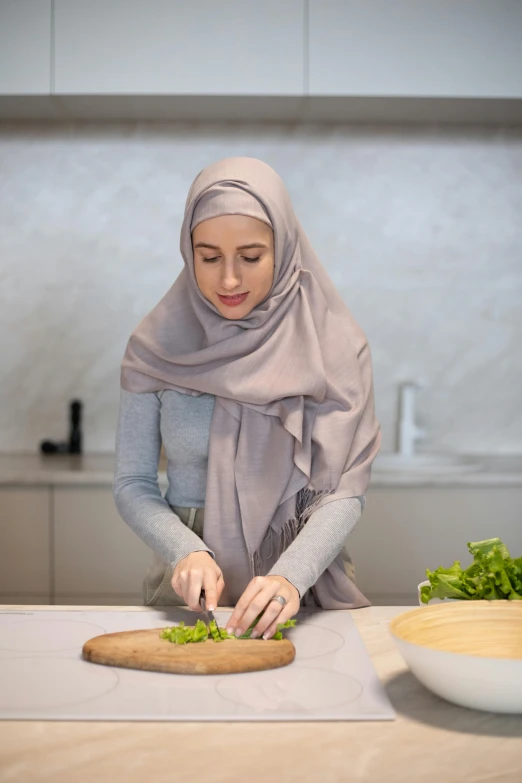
pixel 420 229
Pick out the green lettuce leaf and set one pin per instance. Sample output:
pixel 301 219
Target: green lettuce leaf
pixel 493 575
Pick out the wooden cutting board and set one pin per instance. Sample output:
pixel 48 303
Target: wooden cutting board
pixel 146 650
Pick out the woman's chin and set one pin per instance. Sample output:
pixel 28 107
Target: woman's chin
pixel 235 316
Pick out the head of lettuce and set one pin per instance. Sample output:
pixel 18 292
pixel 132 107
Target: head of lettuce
pixel 492 575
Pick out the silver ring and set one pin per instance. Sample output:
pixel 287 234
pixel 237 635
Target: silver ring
pixel 280 600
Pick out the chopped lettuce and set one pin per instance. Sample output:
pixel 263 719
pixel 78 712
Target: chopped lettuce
pixel 186 634
pixel 492 575
pixel 280 628
pixel 279 631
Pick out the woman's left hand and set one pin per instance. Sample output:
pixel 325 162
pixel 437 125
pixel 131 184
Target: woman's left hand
pixel 258 597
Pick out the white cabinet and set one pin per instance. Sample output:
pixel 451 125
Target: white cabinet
pixel 25 47
pixel 98 559
pixel 404 531
pixel 433 48
pixel 318 60
pixel 68 544
pixel 25 539
pixel 174 47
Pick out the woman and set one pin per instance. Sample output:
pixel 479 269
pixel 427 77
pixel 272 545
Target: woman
pixel 258 381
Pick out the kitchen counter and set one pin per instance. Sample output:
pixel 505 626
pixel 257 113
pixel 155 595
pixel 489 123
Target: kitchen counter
pixel 98 470
pixel 430 740
pixel 68 469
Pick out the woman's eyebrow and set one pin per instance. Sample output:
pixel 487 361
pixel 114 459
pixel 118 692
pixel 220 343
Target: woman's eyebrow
pixel 241 247
pixel 251 245
pixel 205 244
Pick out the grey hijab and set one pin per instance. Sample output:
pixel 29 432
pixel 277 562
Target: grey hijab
pixel 294 425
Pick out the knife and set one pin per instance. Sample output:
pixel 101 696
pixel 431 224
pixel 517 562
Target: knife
pixel 203 604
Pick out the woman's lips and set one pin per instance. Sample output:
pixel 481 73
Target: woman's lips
pixel 233 301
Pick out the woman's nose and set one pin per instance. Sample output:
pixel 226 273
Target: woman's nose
pixel 231 277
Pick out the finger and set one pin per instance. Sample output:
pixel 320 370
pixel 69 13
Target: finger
pixel 210 587
pixel 257 606
pixel 271 616
pixel 180 581
pixel 176 583
pixel 286 613
pixel 193 591
pixel 253 588
pixel 220 587
pixel 177 587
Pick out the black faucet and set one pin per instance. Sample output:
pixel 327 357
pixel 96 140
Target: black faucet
pixel 75 432
pixel 74 444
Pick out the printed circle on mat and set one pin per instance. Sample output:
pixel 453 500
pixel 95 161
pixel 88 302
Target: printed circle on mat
pixel 314 641
pixel 297 689
pixel 42 636
pixel 31 685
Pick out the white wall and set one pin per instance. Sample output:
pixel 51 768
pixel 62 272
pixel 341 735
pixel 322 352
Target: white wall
pixel 421 230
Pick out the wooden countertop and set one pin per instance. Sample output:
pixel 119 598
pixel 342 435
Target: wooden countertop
pixel 431 740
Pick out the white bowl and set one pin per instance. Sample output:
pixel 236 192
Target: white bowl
pixel 433 600
pixel 469 652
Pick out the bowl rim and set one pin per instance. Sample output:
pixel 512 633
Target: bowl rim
pixel 422 612
pixel 442 600
pixel 449 600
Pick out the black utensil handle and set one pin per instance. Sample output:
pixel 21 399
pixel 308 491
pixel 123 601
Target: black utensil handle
pixel 75 432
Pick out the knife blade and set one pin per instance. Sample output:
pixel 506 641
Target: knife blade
pixel 203 604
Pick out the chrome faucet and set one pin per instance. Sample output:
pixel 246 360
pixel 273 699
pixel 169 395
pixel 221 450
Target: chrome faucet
pixel 409 433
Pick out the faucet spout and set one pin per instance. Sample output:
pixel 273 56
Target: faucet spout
pixel 409 433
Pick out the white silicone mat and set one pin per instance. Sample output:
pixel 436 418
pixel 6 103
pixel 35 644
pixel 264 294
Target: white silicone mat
pixel 43 676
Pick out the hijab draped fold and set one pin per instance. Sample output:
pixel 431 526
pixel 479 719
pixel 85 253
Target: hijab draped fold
pixel 294 425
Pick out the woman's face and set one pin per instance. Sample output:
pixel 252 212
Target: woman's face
pixel 234 254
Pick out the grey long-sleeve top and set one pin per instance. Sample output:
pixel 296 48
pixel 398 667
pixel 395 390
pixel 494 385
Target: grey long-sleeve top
pixel 182 422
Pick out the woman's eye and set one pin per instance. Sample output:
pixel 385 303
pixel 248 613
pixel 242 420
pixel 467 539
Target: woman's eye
pixel 246 258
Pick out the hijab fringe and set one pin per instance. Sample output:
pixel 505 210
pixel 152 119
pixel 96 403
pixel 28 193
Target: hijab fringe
pixel 307 501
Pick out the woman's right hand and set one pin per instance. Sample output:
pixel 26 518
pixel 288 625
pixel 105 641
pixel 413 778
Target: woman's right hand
pixel 197 571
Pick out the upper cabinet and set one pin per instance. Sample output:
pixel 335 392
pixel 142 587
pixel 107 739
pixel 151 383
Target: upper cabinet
pixel 25 47
pixel 361 60
pixel 428 48
pixel 176 47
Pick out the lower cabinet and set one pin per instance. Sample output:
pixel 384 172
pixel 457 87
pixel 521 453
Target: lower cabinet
pixel 25 545
pixel 98 559
pixel 68 544
pixel 405 530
